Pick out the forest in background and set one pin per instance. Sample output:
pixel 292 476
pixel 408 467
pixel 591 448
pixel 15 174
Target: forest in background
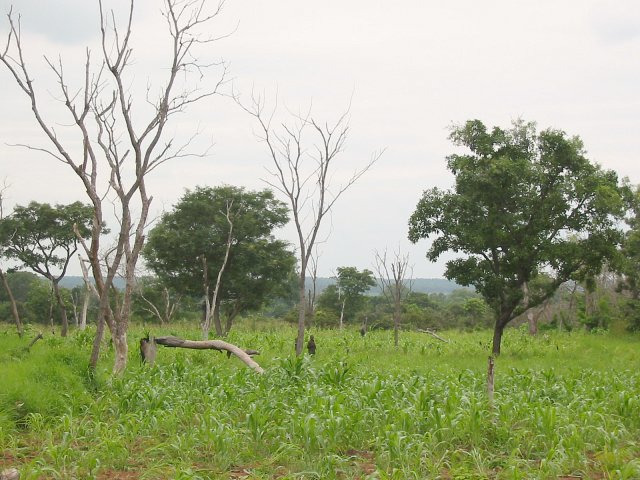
pixel 420 285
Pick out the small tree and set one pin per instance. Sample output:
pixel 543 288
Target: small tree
pixel 394 283
pixel 524 204
pixel 42 238
pixel 303 174
pixel 156 300
pixel 352 285
pixel 628 264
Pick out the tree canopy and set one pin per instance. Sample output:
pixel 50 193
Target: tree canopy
pixel 258 265
pixel 346 297
pixel 628 263
pixel 524 203
pixel 43 239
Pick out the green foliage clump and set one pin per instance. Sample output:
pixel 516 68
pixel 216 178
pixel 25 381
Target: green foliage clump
pixel 49 379
pixel 528 212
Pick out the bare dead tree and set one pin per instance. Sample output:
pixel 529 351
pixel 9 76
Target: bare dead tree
pixel 3 276
pixel 166 310
pixel 313 271
pixel 118 150
pixel 394 283
pixel 81 307
pixel 211 303
pixel 303 157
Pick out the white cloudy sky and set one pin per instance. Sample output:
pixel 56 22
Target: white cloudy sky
pixel 410 68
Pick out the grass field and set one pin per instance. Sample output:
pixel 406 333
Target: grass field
pixel 566 406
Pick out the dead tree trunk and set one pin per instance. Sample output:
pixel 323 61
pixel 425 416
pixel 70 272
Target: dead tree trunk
pixel 61 307
pixel 244 355
pixel 85 309
pixel 148 350
pixel 14 306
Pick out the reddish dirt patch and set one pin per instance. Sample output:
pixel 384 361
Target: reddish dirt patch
pixel 118 475
pixel 364 460
pixel 239 473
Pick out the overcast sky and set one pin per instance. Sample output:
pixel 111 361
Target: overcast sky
pixel 410 69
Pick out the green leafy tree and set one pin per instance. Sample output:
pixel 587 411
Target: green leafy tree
pixel 41 303
pixel 258 266
pixel 519 197
pixel 352 285
pixel 345 299
pixel 629 264
pixel 4 240
pixel 21 283
pixel 13 299
pixel 329 301
pixel 43 239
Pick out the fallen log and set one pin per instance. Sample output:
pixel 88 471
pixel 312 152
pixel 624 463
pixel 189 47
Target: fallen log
pixel 176 342
pixel 433 334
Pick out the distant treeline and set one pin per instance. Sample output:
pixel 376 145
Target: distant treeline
pixel 419 285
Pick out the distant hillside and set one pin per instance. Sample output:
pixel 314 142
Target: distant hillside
pixel 421 285
pixel 71 282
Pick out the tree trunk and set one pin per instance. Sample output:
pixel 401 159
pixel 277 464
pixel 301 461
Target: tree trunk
pixel 148 350
pixel 497 338
pixel 396 318
pixel 61 307
pixel 228 324
pixel 121 349
pixel 302 310
pixel 490 380
pixel 230 317
pixel 342 314
pixel 216 318
pixel 51 324
pixel 74 305
pixel 14 305
pixel 85 309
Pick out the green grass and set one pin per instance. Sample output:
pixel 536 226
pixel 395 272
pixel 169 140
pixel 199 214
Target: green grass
pixel 565 404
